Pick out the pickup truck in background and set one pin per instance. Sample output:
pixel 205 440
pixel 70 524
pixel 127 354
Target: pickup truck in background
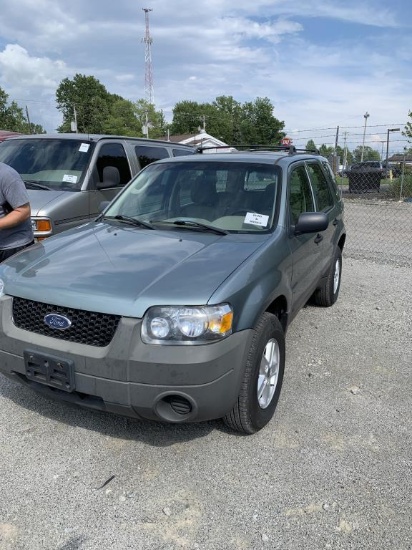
pixel 68 176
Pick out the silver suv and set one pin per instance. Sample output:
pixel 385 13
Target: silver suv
pixel 69 175
pixel 173 304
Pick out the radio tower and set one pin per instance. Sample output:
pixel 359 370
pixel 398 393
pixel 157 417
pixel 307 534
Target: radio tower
pixel 148 81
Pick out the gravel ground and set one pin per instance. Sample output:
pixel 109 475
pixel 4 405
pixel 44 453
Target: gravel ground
pixel 331 471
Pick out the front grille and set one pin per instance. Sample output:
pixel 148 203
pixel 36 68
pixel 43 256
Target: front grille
pixel 88 327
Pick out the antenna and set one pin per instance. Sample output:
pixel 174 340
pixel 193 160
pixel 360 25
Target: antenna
pixel 148 82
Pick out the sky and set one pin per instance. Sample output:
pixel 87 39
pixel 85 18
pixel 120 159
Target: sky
pixel 335 71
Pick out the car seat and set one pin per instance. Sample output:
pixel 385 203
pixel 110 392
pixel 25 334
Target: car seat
pixel 204 199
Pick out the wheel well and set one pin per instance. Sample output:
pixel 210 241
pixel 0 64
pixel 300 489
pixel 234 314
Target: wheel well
pixel 279 308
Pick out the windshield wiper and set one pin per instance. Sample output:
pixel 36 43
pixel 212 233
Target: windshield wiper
pixel 129 220
pixel 34 185
pixel 190 224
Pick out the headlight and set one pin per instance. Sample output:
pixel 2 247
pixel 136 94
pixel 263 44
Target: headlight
pixel 186 324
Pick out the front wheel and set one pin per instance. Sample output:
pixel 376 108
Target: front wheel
pixel 262 379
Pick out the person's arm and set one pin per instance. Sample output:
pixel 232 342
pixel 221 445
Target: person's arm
pixel 15 217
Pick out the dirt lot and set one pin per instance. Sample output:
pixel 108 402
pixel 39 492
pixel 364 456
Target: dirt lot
pixel 331 471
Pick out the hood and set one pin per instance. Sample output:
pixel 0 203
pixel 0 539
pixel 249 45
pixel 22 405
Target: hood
pixel 124 270
pixel 41 198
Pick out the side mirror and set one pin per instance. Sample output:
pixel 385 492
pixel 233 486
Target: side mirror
pixel 311 222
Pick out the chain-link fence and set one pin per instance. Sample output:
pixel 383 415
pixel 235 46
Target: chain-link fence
pixel 378 213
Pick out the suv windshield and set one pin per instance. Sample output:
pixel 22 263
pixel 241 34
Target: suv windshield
pixel 53 163
pixel 224 195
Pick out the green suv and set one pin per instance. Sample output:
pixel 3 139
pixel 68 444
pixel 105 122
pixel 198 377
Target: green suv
pixel 173 304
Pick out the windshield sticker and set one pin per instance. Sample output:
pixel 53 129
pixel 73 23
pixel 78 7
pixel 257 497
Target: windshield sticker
pixel 254 218
pixel 84 147
pixel 69 178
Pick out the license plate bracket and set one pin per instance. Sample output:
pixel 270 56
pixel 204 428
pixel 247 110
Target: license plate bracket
pixel 49 370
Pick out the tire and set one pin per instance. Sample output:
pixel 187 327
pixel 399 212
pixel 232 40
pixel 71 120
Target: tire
pixel 328 293
pixel 262 379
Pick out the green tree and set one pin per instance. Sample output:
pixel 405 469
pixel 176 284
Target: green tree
pixel 311 146
pixel 258 125
pixel 368 154
pixel 188 117
pixel 146 114
pixel 122 119
pixel 326 151
pixel 229 121
pixel 12 117
pixel 408 127
pixel 225 119
pixel 85 100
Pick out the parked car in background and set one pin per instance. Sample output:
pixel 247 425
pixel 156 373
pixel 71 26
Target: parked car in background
pixel 365 176
pixel 69 175
pixel 174 303
pixel 342 171
pixel 393 169
pixel 368 166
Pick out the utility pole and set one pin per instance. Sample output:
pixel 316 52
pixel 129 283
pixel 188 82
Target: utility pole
pixel 73 124
pixel 366 115
pixel 335 153
pixel 345 151
pixel 148 82
pixel 387 148
pixel 336 138
pixel 28 119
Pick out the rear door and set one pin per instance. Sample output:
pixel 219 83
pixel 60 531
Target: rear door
pixel 325 201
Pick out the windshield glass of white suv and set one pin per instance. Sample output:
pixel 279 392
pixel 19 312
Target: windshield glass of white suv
pixel 55 163
pixel 225 195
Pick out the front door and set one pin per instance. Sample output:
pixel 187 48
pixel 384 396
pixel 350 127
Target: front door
pixel 306 248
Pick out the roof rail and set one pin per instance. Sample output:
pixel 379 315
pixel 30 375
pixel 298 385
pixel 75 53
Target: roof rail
pixel 290 149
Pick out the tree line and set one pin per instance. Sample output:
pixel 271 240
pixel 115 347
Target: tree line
pixel 88 107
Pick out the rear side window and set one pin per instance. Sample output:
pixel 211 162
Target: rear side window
pixel 331 178
pixel 320 185
pixel 113 154
pixel 148 154
pixel 182 152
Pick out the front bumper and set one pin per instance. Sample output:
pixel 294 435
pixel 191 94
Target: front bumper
pixel 128 377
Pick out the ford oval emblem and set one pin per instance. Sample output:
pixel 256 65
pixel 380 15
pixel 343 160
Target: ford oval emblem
pixel 57 321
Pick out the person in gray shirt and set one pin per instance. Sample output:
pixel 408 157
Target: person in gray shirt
pixel 15 224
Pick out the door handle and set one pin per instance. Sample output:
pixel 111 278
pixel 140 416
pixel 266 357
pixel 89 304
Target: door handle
pixel 318 238
pixel 335 221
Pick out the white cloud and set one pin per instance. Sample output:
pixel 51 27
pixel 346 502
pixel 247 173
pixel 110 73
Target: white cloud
pixel 19 69
pixel 322 64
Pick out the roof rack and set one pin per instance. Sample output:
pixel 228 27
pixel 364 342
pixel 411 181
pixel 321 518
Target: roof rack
pixel 290 149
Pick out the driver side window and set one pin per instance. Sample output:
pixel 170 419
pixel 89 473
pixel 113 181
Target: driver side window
pixel 300 194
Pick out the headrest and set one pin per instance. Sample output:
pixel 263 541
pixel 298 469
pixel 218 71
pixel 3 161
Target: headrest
pixel 203 190
pixel 112 174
